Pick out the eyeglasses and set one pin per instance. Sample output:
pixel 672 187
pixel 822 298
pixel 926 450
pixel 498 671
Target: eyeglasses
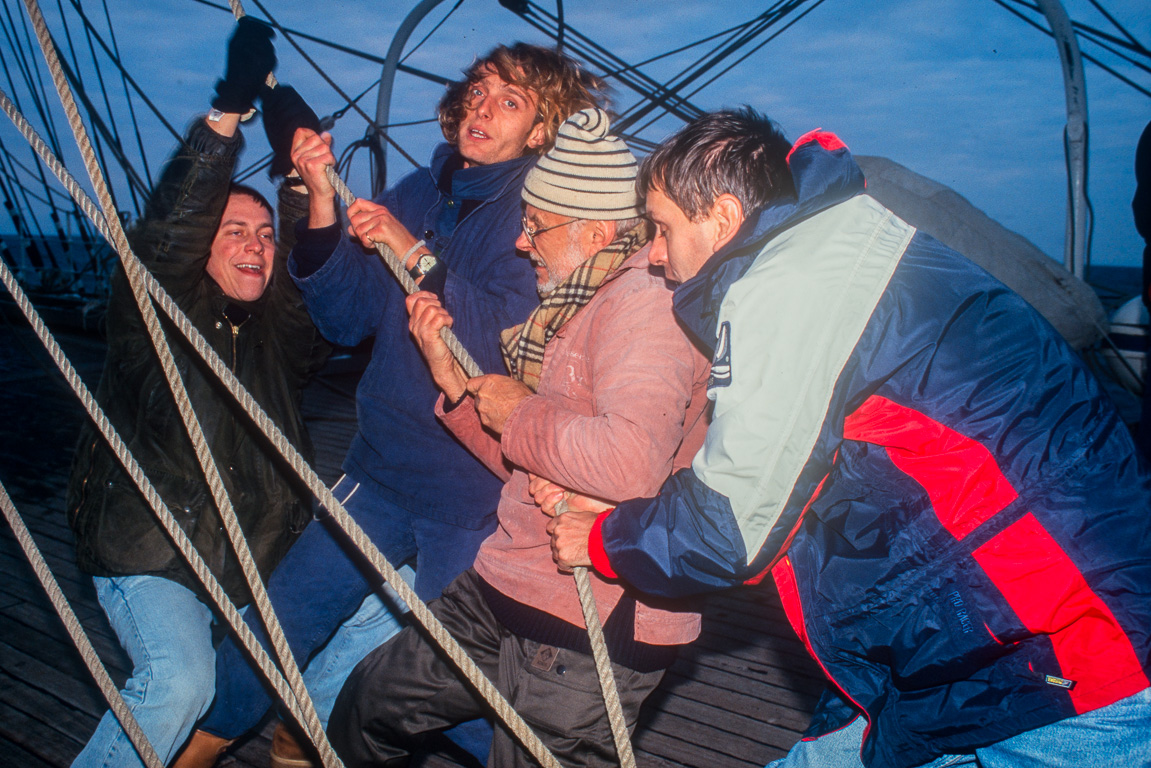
pixel 531 233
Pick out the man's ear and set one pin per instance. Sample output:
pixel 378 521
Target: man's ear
pixel 535 138
pixel 727 213
pixel 601 232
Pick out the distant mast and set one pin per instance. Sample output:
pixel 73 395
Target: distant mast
pixel 387 80
pixel 1075 253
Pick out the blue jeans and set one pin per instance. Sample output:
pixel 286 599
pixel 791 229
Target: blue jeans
pixel 167 632
pixel 1116 736
pixel 321 583
pixel 376 620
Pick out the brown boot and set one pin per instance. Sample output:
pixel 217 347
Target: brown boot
pixel 287 752
pixel 201 751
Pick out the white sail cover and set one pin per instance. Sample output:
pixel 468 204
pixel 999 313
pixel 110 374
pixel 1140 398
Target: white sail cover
pixel 1067 302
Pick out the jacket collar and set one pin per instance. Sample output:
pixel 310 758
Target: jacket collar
pixel 824 174
pixel 480 182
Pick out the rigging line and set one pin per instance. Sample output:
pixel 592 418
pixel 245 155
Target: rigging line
pixel 1135 47
pixel 681 49
pixel 107 103
pixel 605 59
pixel 108 106
pixel 20 224
pixel 735 38
pixel 1086 56
pixel 344 49
pixel 158 338
pixel 339 113
pixel 136 271
pixel 13 159
pixel 35 220
pixel 71 47
pixel 762 25
pixel 34 66
pixel 22 65
pixel 319 70
pixel 426 121
pixel 115 59
pixel 72 624
pixel 41 105
pixel 433 30
pixel 128 97
pixel 743 58
pixel 642 146
pixel 300 466
pixel 247 173
pixel 15 182
pixel 1117 25
pixel 24 193
pixel 1091 38
pixel 98 123
pixel 560 25
pixel 332 83
pixel 631 78
pixel 37 99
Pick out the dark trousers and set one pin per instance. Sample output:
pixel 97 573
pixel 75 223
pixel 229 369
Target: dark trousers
pixel 406 690
pixel 321 582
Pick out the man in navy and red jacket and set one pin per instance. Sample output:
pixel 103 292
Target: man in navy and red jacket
pixel 957 520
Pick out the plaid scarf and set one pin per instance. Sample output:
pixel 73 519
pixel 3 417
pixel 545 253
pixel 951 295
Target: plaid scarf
pixel 523 345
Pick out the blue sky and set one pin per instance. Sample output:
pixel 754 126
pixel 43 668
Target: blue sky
pixel 960 91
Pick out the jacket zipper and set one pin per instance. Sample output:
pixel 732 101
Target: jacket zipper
pixel 84 483
pixel 235 333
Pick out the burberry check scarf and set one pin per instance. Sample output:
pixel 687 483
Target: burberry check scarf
pixel 523 345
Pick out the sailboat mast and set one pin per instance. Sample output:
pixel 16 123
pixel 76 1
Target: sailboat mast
pixel 387 80
pixel 1075 253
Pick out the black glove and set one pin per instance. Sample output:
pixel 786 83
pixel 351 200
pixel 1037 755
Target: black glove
pixel 251 57
pixel 284 111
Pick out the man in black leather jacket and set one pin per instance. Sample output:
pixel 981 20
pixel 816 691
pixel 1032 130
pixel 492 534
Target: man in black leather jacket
pixel 212 245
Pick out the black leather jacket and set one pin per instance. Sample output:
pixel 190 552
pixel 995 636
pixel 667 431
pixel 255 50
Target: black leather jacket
pixel 270 344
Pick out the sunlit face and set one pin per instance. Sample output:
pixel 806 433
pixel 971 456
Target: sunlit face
pixel 500 123
pixel 681 246
pixel 556 249
pixel 244 249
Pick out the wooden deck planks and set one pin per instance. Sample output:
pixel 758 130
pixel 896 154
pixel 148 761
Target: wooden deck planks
pixel 737 698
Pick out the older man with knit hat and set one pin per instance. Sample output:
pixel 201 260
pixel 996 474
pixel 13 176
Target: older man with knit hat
pixel 605 396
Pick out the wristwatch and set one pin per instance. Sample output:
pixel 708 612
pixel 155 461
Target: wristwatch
pixel 424 264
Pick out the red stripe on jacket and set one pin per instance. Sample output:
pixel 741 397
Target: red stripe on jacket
pixel 784 576
pixel 1050 596
pixel 1040 582
pixel 960 476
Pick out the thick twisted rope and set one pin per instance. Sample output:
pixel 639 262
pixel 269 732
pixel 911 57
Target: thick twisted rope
pixel 419 609
pixel 472 369
pixel 133 270
pixel 582 579
pixel 602 662
pixel 136 473
pixel 72 624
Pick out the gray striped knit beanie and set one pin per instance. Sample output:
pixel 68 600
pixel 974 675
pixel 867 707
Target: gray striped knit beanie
pixel 588 174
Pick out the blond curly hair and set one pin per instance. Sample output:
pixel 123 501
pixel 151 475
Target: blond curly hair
pixel 560 85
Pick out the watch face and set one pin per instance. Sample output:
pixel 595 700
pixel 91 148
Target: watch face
pixel 426 263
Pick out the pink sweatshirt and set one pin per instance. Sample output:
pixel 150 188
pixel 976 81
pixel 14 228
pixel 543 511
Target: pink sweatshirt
pixel 620 405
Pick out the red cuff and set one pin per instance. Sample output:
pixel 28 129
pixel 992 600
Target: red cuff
pixel 596 553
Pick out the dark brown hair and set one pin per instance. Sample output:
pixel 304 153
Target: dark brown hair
pixel 738 152
pixel 235 188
